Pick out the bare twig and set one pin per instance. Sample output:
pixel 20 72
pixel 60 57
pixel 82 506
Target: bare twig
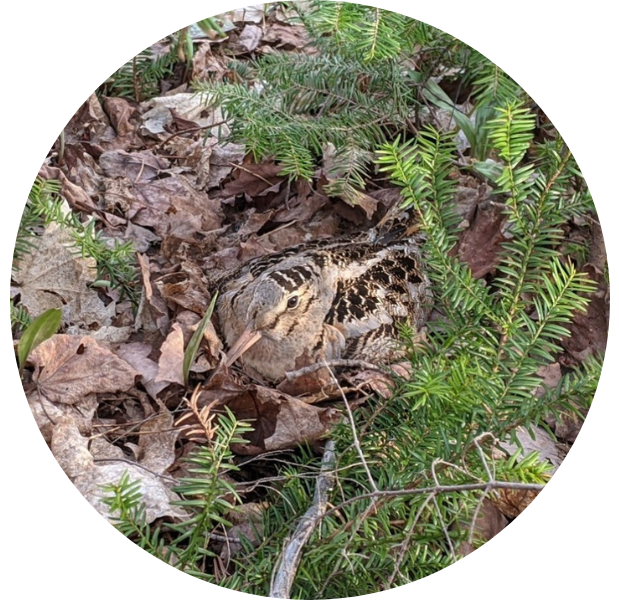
pixel 291 554
pixel 439 489
pixel 353 429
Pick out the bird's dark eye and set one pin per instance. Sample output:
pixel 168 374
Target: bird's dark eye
pixel 293 302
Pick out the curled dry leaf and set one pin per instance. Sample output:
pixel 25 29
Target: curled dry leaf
pixel 70 449
pixel 207 66
pixel 490 521
pixel 156 442
pixel 120 112
pixel 73 194
pixel 280 421
pixel 68 368
pixel 248 40
pixel 187 105
pixel 152 312
pixel 380 382
pixel 172 355
pixel 137 355
pixel 286 37
pixel 135 166
pixel 223 159
pixel 186 288
pixel 481 244
pixel 254 180
pixel 54 275
pixel 512 502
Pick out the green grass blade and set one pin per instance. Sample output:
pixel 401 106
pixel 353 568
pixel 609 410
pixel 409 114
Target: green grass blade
pixel 194 342
pixel 41 329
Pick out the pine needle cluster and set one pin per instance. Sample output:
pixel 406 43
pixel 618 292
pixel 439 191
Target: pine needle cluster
pixel 366 83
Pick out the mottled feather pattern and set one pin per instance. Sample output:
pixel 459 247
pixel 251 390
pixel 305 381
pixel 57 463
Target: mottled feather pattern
pixel 324 300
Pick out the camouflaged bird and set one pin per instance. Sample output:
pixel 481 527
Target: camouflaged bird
pixel 325 300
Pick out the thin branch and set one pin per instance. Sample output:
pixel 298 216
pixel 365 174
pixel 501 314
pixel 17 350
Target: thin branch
pixel 353 429
pixel 291 554
pixel 439 489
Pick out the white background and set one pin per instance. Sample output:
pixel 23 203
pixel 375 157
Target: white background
pixel 54 54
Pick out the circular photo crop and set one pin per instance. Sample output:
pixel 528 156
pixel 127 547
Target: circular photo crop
pixel 309 299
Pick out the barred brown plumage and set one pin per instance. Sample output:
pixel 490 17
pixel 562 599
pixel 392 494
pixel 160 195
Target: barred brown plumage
pixel 326 300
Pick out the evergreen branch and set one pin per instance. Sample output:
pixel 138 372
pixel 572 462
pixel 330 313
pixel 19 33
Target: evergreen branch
pixel 518 261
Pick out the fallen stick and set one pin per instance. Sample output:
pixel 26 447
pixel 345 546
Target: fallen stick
pixel 291 553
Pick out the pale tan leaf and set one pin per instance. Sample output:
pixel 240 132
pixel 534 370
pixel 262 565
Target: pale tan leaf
pixel 55 275
pixel 71 451
pixel 68 368
pixel 172 356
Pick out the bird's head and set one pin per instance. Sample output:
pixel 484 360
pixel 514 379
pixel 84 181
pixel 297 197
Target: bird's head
pixel 281 304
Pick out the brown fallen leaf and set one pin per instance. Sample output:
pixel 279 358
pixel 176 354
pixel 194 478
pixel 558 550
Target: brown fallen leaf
pixel 46 414
pixel 247 524
pixel 380 382
pixel 542 443
pixel 479 246
pixel 248 14
pixel 157 442
pixel 247 41
pixel 120 112
pixel 311 383
pixel 135 166
pixel 254 221
pixel 512 502
pixel 550 374
pixel 137 354
pixel 171 360
pixel 83 171
pixel 286 37
pixel 490 521
pixel 70 449
pixel 186 288
pixel 254 180
pixel 280 421
pixel 255 246
pixel 186 104
pixel 68 368
pixel 172 205
pixel 301 211
pixel 332 170
pixel 206 66
pixel 222 160
pixel 55 275
pixel 90 125
pixel 152 315
pixel 72 193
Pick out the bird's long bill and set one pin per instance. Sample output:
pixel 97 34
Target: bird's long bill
pixel 247 339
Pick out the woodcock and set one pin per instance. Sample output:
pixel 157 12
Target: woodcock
pixel 324 300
